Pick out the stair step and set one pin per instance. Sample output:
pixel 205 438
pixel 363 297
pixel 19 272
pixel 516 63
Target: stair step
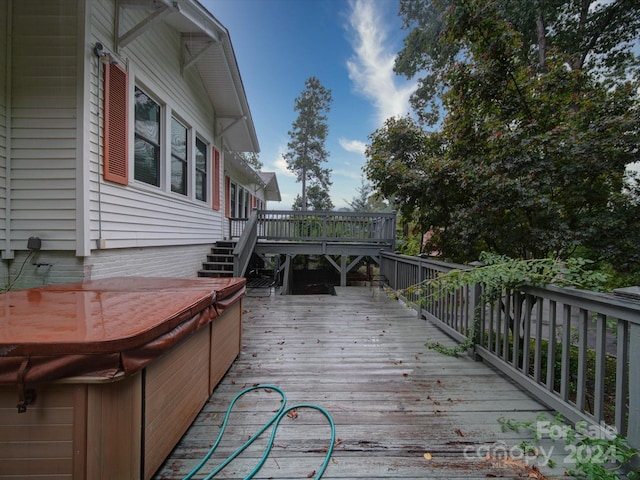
pixel 212 273
pixel 219 259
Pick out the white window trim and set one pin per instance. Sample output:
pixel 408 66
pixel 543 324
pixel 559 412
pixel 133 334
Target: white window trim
pixel 167 112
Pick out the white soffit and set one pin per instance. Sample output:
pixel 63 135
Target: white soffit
pixel 206 46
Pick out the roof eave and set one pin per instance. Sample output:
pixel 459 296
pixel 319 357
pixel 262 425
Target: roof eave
pixel 207 46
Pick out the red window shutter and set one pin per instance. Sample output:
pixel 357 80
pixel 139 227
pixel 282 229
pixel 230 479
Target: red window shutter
pixel 116 128
pixel 227 197
pixel 215 190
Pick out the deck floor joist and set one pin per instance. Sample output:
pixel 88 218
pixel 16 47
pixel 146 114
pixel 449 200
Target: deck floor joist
pixel 361 356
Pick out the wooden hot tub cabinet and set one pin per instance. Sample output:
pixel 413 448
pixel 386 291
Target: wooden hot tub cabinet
pixel 120 368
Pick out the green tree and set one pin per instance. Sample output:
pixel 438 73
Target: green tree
pixel 252 159
pixel 317 199
pixel 529 159
pixel 587 35
pixel 368 200
pixel 306 149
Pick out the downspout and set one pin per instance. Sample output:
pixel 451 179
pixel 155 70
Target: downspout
pixel 99 242
pixel 7 254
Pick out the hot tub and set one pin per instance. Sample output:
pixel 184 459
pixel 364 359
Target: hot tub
pixel 100 379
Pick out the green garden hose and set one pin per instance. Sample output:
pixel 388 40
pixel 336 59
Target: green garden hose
pixel 275 420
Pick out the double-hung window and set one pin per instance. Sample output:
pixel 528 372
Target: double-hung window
pixel 179 157
pixel 147 139
pixel 201 171
pixel 168 153
pixel 234 201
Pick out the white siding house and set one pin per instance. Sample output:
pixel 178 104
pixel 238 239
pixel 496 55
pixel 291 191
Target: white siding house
pixel 119 127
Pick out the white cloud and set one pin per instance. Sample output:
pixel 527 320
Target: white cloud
pixel 354 146
pixel 371 67
pixel 280 164
pixel 353 173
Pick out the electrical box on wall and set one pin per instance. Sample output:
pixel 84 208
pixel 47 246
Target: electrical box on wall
pixel 34 243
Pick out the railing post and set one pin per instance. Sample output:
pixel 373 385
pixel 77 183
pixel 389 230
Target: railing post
pixel 420 280
pixel 477 311
pixel 633 433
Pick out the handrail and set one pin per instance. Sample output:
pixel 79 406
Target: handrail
pixel 244 247
pixel 575 350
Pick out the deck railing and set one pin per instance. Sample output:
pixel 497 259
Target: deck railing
pixel 577 351
pixel 317 226
pixel 313 226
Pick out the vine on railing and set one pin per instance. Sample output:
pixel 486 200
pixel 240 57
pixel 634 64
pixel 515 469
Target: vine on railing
pixel 595 452
pixel 496 274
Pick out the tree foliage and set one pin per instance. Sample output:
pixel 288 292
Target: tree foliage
pixel 529 159
pixel 588 35
pixel 252 159
pixel 368 200
pixel 306 149
pixel 318 199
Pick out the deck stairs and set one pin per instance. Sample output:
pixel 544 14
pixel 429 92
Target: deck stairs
pixel 219 261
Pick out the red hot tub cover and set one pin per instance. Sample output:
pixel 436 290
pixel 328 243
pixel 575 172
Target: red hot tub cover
pixel 103 328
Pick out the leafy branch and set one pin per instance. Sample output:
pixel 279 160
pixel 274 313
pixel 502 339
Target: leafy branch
pixel 596 452
pixel 497 274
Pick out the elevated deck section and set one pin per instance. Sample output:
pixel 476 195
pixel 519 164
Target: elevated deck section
pixel 344 238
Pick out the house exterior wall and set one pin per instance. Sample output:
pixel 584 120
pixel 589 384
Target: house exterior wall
pixel 43 111
pixel 51 152
pixel 140 215
pixel 35 269
pixel 3 130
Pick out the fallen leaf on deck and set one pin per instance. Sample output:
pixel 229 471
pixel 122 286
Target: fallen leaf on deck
pixel 427 456
pixel 531 471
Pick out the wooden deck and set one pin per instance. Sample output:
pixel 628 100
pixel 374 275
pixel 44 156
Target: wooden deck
pixel 362 357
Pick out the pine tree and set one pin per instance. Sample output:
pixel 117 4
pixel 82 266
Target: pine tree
pixel 306 149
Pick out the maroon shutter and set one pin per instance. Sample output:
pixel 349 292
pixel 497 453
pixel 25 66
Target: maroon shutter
pixel 116 168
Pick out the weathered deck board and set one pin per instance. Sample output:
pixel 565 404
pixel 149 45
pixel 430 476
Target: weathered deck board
pixel 363 358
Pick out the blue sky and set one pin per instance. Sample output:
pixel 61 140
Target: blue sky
pixel 349 45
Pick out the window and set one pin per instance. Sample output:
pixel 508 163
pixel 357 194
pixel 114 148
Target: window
pixel 201 171
pixel 178 157
pixel 147 139
pixel 234 208
pixel 247 205
pixel 241 204
pixel 240 200
pixel 171 155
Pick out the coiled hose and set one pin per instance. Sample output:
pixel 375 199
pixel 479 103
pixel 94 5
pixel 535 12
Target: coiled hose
pixel 275 420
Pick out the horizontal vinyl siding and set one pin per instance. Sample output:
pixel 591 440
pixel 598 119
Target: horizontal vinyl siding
pixel 43 116
pixel 3 124
pixel 139 215
pixel 142 222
